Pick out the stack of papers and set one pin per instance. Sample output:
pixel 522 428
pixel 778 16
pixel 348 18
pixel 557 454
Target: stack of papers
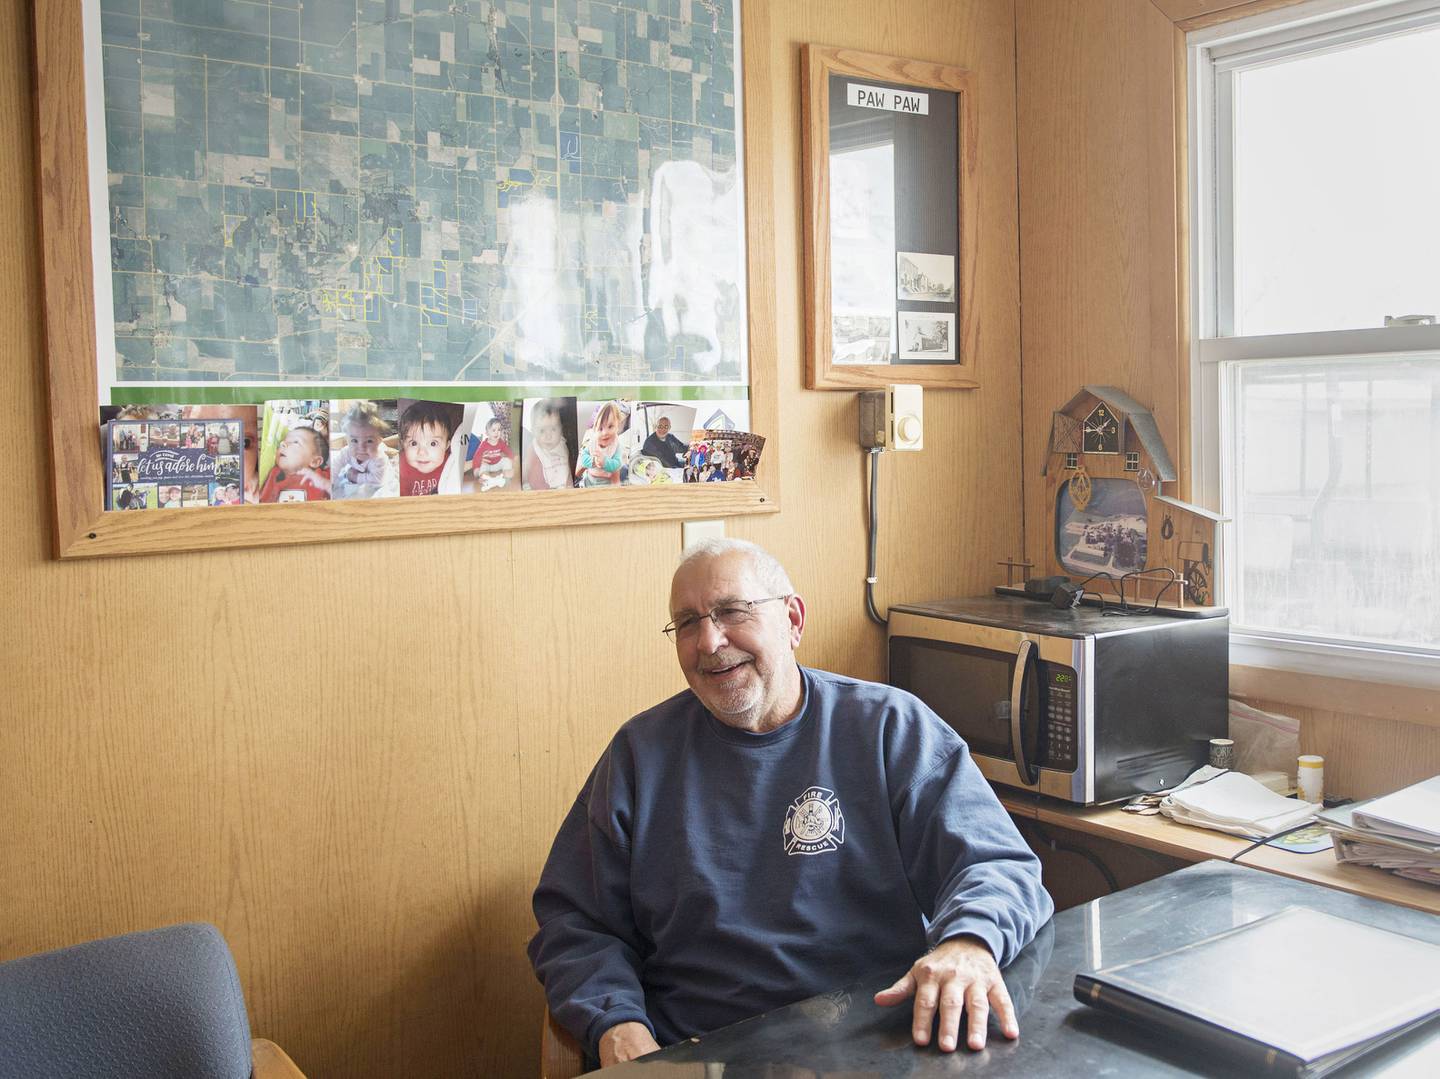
pixel 1411 813
pixel 1399 832
pixel 1235 803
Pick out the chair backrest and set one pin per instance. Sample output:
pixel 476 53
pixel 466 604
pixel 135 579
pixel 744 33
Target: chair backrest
pixel 560 1054
pixel 165 1004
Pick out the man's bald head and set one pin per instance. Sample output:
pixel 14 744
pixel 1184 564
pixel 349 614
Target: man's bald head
pixel 765 566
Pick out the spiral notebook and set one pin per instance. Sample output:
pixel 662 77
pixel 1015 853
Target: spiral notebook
pixel 1295 993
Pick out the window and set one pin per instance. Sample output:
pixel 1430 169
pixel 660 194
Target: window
pixel 1072 460
pixel 1316 363
pixel 1132 462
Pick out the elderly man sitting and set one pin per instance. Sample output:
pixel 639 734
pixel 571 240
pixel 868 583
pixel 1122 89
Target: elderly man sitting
pixel 774 832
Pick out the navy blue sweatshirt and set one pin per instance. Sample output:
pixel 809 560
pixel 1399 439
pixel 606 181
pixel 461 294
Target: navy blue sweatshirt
pixel 707 874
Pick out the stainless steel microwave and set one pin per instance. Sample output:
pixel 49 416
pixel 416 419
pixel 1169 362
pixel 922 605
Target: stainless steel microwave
pixel 1075 704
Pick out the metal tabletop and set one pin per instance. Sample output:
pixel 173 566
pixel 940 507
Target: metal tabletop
pixel 842 1033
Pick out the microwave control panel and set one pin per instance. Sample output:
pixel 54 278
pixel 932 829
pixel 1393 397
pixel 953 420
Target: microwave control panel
pixel 1060 718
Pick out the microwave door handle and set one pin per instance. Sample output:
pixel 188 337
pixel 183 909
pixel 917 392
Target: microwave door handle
pixel 1024 664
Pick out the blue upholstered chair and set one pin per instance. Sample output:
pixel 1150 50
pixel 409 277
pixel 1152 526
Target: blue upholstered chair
pixel 163 1004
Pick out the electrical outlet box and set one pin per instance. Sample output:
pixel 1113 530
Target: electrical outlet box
pixel 892 418
pixel 874 419
pixel 907 418
pixel 694 531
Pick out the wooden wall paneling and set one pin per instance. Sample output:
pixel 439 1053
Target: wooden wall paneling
pixel 1099 224
pixel 1365 755
pixel 366 826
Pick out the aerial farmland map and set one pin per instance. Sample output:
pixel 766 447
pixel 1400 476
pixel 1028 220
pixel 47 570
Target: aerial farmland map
pixel 517 191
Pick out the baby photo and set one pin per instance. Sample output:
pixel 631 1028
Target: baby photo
pixel 657 441
pixel 426 430
pixel 364 449
pixel 295 451
pixel 601 461
pixel 549 442
pixel 490 462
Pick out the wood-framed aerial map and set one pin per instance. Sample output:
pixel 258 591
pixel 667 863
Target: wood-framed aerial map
pixel 344 198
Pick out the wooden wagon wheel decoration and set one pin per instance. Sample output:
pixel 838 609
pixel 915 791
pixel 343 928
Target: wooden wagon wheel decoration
pixel 1197 583
pixel 1081 488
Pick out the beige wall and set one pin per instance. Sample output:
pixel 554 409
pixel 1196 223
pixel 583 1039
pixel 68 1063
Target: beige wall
pixel 351 758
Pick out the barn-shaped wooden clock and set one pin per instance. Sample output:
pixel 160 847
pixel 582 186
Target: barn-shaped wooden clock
pixel 1110 519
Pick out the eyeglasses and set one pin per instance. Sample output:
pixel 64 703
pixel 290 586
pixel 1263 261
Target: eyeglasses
pixel 725 616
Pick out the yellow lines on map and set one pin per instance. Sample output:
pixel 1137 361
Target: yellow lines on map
pixel 523 180
pixel 304 205
pixel 382 273
pixel 437 305
pixel 354 305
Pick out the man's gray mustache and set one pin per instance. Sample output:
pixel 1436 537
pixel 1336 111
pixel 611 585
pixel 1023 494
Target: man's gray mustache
pixel 720 662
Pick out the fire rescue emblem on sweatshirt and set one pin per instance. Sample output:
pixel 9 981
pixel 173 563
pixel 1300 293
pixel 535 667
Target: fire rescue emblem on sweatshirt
pixel 814 823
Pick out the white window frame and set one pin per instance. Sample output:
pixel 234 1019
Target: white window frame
pixel 1213 54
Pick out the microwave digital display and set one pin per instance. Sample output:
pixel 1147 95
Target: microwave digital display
pixel 1059 719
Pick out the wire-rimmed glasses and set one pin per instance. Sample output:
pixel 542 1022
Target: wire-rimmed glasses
pixel 725 616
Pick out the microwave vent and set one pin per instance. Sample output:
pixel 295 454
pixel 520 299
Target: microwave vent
pixel 1171 761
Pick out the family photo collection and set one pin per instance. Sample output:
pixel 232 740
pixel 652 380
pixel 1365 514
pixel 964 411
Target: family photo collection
pixel 182 456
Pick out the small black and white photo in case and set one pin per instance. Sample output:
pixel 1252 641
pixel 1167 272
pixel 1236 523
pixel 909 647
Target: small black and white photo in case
pixel 927 336
pixel 926 278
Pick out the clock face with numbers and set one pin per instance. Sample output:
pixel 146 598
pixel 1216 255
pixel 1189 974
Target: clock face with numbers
pixel 1102 431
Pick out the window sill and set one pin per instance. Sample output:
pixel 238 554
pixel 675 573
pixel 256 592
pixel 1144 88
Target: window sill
pixel 1389 685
